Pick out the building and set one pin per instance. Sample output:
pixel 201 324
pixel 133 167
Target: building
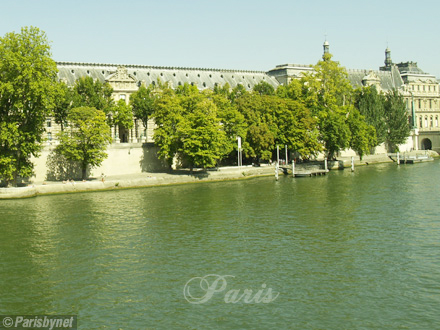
pixel 420 90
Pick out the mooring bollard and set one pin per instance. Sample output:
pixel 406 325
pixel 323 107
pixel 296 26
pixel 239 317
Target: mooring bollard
pixel 398 158
pixel 352 163
pixel 293 168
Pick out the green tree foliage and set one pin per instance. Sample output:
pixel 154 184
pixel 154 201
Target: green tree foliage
pixel 396 117
pixel 224 90
pixel 189 126
pixel 123 115
pixel 92 93
pixel 363 136
pixel 27 95
pixel 203 142
pixel 328 93
pixel 296 127
pixel 236 92
pixel 328 86
pixel 167 114
pixel 264 88
pixel 63 104
pixel 232 121
pixel 259 141
pixel 334 130
pixel 371 104
pixel 87 139
pixel 142 103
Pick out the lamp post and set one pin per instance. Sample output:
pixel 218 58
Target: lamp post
pixel 239 156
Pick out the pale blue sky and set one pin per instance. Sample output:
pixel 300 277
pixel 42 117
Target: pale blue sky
pixel 249 35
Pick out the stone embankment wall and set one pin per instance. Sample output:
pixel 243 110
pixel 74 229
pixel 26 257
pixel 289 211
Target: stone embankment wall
pixel 123 158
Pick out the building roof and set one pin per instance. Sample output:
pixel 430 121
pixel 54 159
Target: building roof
pixel 202 78
pixel 409 67
pixel 387 80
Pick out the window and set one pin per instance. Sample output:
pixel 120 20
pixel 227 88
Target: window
pixel 418 87
pixel 431 122
pixel 426 121
pixel 49 122
pixel 430 104
pixel 122 96
pixel 420 122
pixel 420 104
pixel 423 87
pixel 49 136
pixel 436 121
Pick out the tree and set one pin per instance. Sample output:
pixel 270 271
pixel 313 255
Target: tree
pixel 264 88
pixel 63 104
pixel 334 131
pixel 371 104
pixel 203 141
pixel 189 126
pixel 232 121
pixel 27 95
pixel 328 93
pixel 259 141
pixel 123 115
pixel 142 103
pixel 363 136
pixel 167 115
pixel 328 86
pixel 296 127
pixel 396 117
pixel 87 139
pixel 92 93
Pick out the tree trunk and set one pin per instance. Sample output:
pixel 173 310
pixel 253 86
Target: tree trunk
pixel 84 171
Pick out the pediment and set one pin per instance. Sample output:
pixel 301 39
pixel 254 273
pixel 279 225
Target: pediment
pixel 121 75
pixel 121 80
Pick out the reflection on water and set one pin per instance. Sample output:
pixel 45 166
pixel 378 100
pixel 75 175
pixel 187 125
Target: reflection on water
pixel 348 250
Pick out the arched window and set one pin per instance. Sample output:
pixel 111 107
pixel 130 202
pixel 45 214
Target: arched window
pixel 426 121
pixel 436 121
pixel 432 122
pixel 420 122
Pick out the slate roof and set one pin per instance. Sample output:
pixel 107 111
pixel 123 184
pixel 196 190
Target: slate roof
pixel 203 78
pixel 409 67
pixel 388 79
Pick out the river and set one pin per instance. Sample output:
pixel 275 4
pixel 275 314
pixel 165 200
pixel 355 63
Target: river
pixel 344 251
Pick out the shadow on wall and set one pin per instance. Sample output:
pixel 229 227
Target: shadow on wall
pixel 59 168
pixel 150 162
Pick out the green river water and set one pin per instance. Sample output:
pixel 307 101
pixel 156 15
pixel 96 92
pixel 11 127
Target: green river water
pixel 344 251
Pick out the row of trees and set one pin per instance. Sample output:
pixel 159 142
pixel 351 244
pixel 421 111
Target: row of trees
pixel 319 112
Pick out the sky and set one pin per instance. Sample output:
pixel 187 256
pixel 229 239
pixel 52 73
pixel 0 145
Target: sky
pixel 225 34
